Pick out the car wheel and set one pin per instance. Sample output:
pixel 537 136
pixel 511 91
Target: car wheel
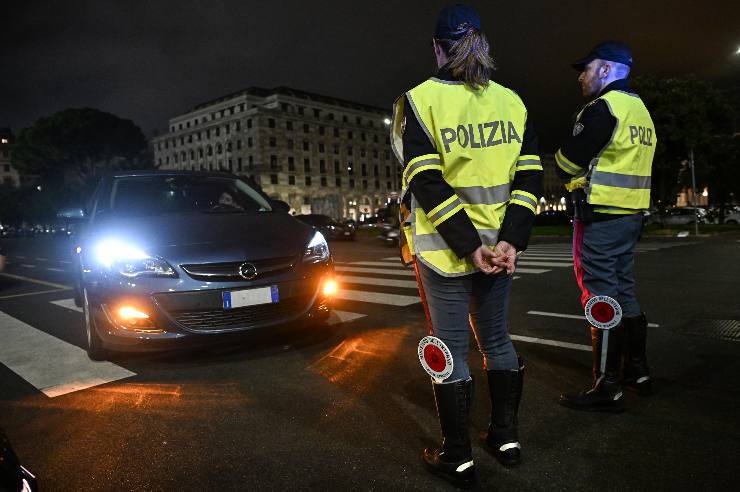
pixel 731 222
pixel 95 348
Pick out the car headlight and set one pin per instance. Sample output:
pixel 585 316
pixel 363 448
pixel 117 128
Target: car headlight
pixel 317 249
pixel 130 261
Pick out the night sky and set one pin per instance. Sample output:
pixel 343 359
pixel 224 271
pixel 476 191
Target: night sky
pixel 148 61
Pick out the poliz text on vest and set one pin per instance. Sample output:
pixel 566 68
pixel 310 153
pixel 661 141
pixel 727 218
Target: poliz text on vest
pixel 643 134
pixel 481 135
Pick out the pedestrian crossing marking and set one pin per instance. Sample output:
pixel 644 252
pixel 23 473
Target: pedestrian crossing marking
pixel 68 304
pixel 386 282
pixel 337 317
pixel 377 297
pixel 543 264
pixel 382 271
pixel 51 365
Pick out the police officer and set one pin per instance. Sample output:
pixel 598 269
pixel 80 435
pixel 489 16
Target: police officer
pixel 471 180
pixel 607 161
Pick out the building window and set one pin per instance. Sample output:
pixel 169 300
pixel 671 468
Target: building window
pixel 273 142
pixel 350 168
pixel 227 127
pixel 338 181
pixel 271 122
pixel 336 149
pixel 336 167
pixel 219 149
pixel 305 128
pixel 291 179
pixel 377 184
pixel 358 120
pixel 228 146
pixel 249 142
pixel 364 184
pixel 288 125
pixel 249 122
pixel 321 147
pixel 273 179
pixel 291 164
pixel 364 169
pixel 344 118
pixel 330 117
pixel 200 152
pixel 316 112
pixel 388 185
pixel 321 129
pixel 238 126
pixel 239 144
pixel 301 109
pixel 209 150
pixel 336 132
pixel 322 166
pixel 307 165
pixel 323 180
pixel 305 145
pixel 350 135
pixel 387 171
pixel 273 162
pixel 218 131
pixel 239 163
pixel 375 153
pixel 308 180
pixel 362 136
pixel 375 170
pixel 351 183
pixel 375 138
pixel 349 150
pixel 251 161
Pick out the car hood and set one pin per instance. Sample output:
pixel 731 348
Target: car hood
pixel 207 238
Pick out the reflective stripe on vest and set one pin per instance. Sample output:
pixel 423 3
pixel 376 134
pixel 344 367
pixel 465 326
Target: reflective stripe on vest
pixel 620 176
pixel 478 136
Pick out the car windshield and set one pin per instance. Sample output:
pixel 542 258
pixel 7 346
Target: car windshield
pixel 154 195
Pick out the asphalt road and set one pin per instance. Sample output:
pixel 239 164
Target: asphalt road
pixel 347 407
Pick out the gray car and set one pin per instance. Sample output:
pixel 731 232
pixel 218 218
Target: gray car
pixel 173 256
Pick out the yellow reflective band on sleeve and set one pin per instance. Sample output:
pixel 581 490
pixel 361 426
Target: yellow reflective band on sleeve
pixel 449 214
pixel 525 199
pixel 529 163
pixel 566 165
pixel 419 164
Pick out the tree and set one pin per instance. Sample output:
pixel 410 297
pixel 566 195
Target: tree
pixel 688 114
pixel 71 148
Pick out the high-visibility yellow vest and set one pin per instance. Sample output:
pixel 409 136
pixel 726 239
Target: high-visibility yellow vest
pixel 619 178
pixel 478 137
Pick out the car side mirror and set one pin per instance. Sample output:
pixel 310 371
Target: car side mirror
pixel 71 214
pixel 280 206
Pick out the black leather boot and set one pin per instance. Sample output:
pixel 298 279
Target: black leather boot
pixel 606 394
pixel 636 370
pixel 453 461
pixel 502 439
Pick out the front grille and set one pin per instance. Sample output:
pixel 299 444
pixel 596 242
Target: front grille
pixel 215 272
pixel 244 317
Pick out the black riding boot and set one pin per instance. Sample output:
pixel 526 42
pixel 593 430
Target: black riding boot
pixel 636 371
pixel 502 439
pixel 453 461
pixel 606 393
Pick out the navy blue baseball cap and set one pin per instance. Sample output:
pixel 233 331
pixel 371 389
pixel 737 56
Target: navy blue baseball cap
pixel 455 18
pixel 608 50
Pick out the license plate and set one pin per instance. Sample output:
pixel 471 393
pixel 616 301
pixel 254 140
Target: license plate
pixel 346 233
pixel 250 297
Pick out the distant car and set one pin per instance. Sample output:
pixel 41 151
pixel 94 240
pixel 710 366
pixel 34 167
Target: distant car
pixel 551 218
pixel 682 216
pixel 389 235
pixel 166 257
pixel 732 218
pixel 330 228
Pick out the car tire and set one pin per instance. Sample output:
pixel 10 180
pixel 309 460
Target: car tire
pixel 731 222
pixel 95 350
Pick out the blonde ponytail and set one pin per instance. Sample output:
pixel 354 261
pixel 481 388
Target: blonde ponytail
pixel 468 57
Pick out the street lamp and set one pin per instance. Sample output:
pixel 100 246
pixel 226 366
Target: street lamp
pixel 387 121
